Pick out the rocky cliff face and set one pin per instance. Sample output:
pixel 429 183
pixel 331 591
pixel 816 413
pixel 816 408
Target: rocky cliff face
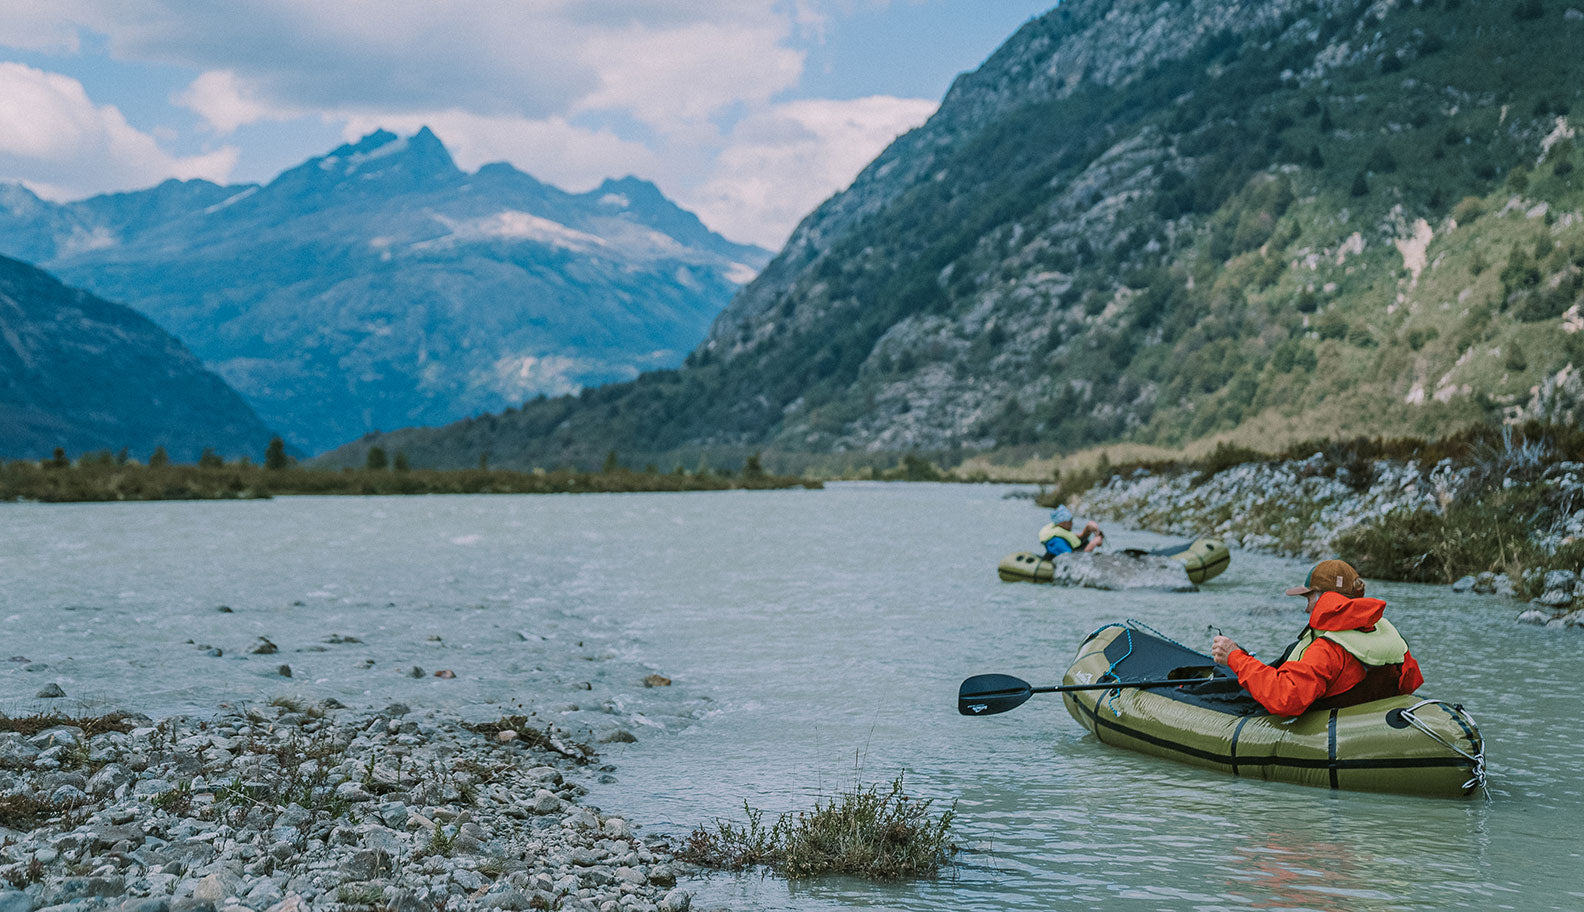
pixel 381 286
pixel 84 374
pixel 1160 222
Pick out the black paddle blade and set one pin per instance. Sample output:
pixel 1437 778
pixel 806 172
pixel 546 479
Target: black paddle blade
pixel 988 694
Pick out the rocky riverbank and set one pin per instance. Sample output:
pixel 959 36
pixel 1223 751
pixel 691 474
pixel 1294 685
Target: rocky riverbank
pixel 1315 507
pixel 289 807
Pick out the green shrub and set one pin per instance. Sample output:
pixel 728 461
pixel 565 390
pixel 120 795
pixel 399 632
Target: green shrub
pixel 275 454
pixel 863 833
pixel 1226 456
pixel 23 812
pixel 360 894
pixel 1468 209
pixel 1491 532
pixel 1381 161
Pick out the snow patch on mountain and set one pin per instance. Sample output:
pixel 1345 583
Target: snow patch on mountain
pixel 349 164
pixel 231 200
pixel 85 238
pixel 740 273
pixel 521 376
pixel 514 225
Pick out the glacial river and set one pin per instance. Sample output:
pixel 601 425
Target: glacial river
pixel 815 639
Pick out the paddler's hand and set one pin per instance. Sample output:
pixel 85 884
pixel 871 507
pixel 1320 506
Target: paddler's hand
pixel 1220 648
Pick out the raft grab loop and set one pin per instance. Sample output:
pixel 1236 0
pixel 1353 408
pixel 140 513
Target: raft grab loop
pixel 1111 695
pixel 1409 716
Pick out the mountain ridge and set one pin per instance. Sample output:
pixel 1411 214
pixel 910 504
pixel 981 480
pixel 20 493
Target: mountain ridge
pixel 379 285
pixel 1155 223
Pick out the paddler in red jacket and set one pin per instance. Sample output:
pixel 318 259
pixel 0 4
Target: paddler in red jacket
pixel 1349 653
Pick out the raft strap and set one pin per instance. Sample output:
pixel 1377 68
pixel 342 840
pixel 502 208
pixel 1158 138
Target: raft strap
pixel 1111 698
pixel 1331 749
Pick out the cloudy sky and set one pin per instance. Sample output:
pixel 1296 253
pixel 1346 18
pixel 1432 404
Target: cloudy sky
pixel 749 112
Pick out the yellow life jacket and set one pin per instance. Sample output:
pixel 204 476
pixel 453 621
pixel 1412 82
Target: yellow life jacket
pixel 1051 530
pixel 1381 646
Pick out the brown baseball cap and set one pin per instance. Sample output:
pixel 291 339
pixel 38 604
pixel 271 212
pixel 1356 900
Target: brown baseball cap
pixel 1331 576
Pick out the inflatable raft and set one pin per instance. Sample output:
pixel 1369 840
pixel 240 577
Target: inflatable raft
pixel 1204 559
pixel 1406 744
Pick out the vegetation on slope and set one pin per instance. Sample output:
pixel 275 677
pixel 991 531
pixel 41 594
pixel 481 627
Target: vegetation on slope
pixel 1509 501
pixel 101 477
pixel 1342 219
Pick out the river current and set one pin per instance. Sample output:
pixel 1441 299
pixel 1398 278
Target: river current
pixel 816 640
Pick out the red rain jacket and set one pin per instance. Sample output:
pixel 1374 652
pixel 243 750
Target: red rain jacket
pixel 1325 669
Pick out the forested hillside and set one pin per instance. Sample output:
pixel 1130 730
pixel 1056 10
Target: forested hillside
pixel 82 374
pixel 1156 222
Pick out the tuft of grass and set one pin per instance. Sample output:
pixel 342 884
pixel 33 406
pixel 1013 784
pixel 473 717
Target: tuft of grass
pixel 866 832
pixel 532 737
pixel 360 894
pixel 90 725
pixel 440 842
pixel 294 705
pixel 23 812
pixel 23 876
pixel 177 801
pixel 526 733
pixel 304 778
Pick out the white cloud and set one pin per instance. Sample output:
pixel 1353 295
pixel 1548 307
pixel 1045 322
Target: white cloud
pixel 681 92
pixel 57 141
pixel 222 100
pixel 674 80
pixel 784 161
pixel 39 25
pixel 525 58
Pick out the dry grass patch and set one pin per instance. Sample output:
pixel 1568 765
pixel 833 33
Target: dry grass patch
pixel 90 725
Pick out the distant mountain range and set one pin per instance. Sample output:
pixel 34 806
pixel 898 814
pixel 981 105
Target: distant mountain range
pixel 1159 223
pixel 83 374
pixel 380 286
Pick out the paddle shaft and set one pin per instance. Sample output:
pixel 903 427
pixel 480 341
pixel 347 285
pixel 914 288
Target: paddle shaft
pixel 1113 685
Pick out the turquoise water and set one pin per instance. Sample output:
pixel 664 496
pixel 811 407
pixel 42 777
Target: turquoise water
pixel 815 639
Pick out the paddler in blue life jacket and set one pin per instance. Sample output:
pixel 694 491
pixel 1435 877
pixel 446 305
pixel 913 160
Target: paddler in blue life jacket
pixel 1058 537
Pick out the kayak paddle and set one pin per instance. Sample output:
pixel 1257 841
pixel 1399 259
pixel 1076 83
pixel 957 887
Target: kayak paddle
pixel 988 694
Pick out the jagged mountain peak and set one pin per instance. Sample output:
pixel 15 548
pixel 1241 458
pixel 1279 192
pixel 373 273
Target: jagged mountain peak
pixel 645 203
pixel 629 191
pixel 381 158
